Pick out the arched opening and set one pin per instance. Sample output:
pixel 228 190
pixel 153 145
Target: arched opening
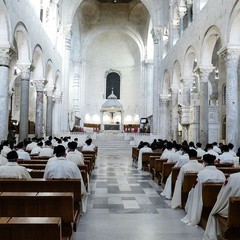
pixel 113 84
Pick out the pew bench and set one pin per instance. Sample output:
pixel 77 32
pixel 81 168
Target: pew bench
pixel 146 158
pixel 44 204
pixel 152 160
pixel 230 226
pixel 46 185
pixel 166 171
pixel 37 228
pixel 175 172
pixel 158 169
pixel 210 192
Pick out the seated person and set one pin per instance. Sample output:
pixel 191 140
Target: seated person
pixel 231 146
pixel 194 202
pixel 193 166
pixel 22 154
pixel 73 155
pixel 225 157
pixel 144 149
pixel 60 167
pixel 3 160
pixel 209 150
pixel 230 189
pixel 12 169
pixel 36 150
pixel 200 151
pixel 6 149
pixel 31 144
pixel 47 150
pixel 88 146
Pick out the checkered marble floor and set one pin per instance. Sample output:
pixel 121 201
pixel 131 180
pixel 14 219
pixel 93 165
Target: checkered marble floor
pixel 126 204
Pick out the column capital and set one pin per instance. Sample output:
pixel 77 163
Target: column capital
pixel 40 85
pixel 203 72
pixel 175 88
pixel 186 80
pixel 58 95
pixel 5 56
pixel 26 69
pixel 50 89
pixel 156 34
pixel 230 55
pixel 164 98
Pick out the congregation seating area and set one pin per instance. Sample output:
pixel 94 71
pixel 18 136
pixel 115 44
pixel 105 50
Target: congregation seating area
pixel 50 208
pixel 161 170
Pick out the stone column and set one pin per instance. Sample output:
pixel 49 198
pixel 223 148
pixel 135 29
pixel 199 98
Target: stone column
pixel 49 114
pixel 182 13
pixel 174 100
pixel 65 81
pixel 157 39
pixel 24 104
pixel 231 56
pixel 40 85
pixel 57 117
pixel 164 116
pixel 203 73
pixel 189 11
pixel 4 74
pixel 76 86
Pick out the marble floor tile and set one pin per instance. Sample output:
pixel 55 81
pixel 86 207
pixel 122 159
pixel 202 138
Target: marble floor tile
pixel 126 204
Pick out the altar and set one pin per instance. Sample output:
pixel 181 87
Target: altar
pixel 115 127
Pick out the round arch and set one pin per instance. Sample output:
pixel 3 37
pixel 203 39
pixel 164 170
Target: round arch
pixel 166 82
pixel 5 30
pixel 176 73
pixel 189 59
pixel 210 39
pixel 38 63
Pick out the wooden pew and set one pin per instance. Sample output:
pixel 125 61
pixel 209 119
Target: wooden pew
pixel 90 154
pixel 21 161
pixel 158 169
pixel 210 192
pixel 230 226
pixel 146 158
pixel 188 182
pixel 175 172
pixel 37 228
pixel 135 152
pixel 45 204
pixel 46 185
pixel 229 170
pixel 166 171
pixel 152 160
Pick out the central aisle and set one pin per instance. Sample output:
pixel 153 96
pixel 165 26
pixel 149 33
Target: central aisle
pixel 126 205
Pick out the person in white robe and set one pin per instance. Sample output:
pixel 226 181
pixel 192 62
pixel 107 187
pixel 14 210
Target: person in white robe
pixel 36 150
pixel 216 148
pixel 144 149
pixel 230 189
pixel 167 192
pixel 231 146
pixel 88 146
pixel 22 154
pixel 73 155
pixel 194 202
pixel 191 167
pixel 12 169
pixel 225 157
pixel 3 160
pixel 6 149
pixel 61 167
pixel 168 152
pixel 47 150
pixel 200 151
pixel 32 144
pixel 210 150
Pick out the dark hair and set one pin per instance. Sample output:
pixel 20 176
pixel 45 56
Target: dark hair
pixel 20 145
pixel 72 145
pixel 169 145
pixel 59 150
pixel 231 146
pixel 192 153
pixel 209 158
pixel 12 156
pixel 40 144
pixel 199 144
pixel 225 148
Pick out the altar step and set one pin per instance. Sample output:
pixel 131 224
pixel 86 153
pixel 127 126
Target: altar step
pixel 112 141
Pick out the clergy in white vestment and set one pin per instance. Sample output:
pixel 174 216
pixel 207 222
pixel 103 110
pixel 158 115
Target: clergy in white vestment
pixel 167 192
pixel 88 146
pixel 184 158
pixel 22 154
pixel 200 151
pixel 193 166
pixel 194 202
pixel 47 150
pixel 230 189
pixel 12 169
pixel 36 150
pixel 226 157
pixel 231 146
pixel 144 149
pixel 210 150
pixel 32 144
pixel 168 152
pixel 61 167
pixel 216 148
pixel 73 155
pixel 6 149
pixel 3 160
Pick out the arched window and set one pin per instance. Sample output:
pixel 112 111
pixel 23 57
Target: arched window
pixel 113 84
pixel 224 94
